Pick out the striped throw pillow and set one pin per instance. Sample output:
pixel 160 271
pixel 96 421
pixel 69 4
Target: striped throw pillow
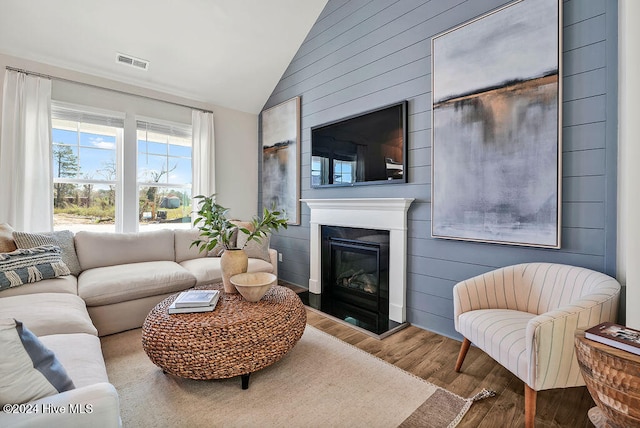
pixel 24 266
pixel 59 238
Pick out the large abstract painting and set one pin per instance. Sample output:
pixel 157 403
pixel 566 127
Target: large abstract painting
pixel 496 115
pixel 281 158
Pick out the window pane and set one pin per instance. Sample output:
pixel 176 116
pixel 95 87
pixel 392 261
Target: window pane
pixel 89 206
pixel 65 161
pixel 92 161
pixel 180 172
pixel 64 136
pixel 100 141
pixel 182 151
pixel 151 147
pixel 84 151
pixel 164 176
pixel 163 207
pixel 153 169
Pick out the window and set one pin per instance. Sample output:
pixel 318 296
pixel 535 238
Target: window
pixel 97 173
pixel 164 175
pixel 84 148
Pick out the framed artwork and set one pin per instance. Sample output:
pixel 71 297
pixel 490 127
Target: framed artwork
pixel 496 115
pixel 281 158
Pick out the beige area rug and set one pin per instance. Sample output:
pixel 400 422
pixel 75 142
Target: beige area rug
pixel 322 382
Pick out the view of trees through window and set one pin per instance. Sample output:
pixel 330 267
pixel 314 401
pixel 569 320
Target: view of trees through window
pixel 87 182
pixel 164 174
pixel 84 173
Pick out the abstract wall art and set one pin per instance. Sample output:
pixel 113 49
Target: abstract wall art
pixel 496 127
pixel 281 158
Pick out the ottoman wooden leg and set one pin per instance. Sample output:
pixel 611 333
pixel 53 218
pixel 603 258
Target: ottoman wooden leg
pixel 245 380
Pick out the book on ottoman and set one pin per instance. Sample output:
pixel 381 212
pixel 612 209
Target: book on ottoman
pixel 194 301
pixel 194 298
pixel 615 335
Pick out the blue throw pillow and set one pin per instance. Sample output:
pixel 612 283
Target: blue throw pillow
pixel 23 266
pixel 28 369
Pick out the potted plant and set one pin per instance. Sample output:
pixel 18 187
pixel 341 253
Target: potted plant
pixel 217 230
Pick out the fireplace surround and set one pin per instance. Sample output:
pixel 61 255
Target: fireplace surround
pixel 389 214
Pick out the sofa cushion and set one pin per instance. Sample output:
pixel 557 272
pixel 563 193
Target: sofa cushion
pixel 59 238
pixel 99 249
pixel 502 335
pixel 114 284
pixel 81 356
pixel 31 265
pixel 207 270
pixel 49 313
pixel 253 248
pixel 29 370
pixel 7 244
pixel 61 284
pixel 259 265
pixel 184 250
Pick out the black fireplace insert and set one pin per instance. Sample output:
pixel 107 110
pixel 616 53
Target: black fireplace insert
pixel 355 276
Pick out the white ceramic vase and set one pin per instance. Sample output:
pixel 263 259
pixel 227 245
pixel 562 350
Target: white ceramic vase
pixel 232 262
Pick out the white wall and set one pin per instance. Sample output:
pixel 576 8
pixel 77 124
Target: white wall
pixel 629 157
pixel 236 132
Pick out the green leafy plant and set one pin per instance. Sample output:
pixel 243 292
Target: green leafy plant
pixel 216 229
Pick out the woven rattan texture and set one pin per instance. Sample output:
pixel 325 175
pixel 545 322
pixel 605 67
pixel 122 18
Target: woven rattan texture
pixel 613 380
pixel 237 338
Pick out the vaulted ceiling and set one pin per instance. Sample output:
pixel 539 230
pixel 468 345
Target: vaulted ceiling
pixel 229 53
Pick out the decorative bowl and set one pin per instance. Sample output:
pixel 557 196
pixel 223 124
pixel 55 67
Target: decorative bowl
pixel 253 285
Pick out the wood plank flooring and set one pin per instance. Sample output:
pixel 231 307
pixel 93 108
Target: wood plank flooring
pixel 432 357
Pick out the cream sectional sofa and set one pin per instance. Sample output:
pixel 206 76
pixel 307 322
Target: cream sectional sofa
pixel 122 277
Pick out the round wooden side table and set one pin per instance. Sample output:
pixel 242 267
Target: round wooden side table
pixel 613 380
pixel 237 338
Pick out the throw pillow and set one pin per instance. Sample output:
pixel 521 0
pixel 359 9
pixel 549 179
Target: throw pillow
pixel 59 238
pixel 7 244
pixel 31 265
pixel 28 369
pixel 253 248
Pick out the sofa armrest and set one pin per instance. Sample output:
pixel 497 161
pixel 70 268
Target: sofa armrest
pixel 95 406
pixel 273 256
pixel 547 335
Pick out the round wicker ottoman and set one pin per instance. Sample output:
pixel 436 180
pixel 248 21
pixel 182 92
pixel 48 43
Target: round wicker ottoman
pixel 613 380
pixel 236 339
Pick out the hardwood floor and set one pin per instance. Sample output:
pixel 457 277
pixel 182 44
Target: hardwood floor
pixel 432 357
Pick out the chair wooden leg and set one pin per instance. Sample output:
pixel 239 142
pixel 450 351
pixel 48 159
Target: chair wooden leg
pixel 529 406
pixel 464 348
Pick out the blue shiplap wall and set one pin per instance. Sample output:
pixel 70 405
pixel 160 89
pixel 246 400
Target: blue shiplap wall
pixel 362 54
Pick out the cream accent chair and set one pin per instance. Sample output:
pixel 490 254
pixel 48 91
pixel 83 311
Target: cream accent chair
pixel 525 316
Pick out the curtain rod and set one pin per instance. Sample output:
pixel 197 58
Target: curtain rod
pixel 62 79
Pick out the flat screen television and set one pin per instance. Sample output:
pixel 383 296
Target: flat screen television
pixel 368 148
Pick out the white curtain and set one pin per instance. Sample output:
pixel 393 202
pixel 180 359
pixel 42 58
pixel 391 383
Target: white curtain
pixel 25 153
pixel 204 155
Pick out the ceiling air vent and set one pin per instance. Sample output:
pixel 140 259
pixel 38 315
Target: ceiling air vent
pixel 132 61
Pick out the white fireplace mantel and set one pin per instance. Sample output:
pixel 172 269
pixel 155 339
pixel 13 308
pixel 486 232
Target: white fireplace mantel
pixel 368 213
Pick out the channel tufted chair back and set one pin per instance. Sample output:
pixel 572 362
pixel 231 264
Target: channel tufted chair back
pixel 524 317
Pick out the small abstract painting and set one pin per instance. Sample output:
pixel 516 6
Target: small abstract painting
pixel 496 120
pixel 281 158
